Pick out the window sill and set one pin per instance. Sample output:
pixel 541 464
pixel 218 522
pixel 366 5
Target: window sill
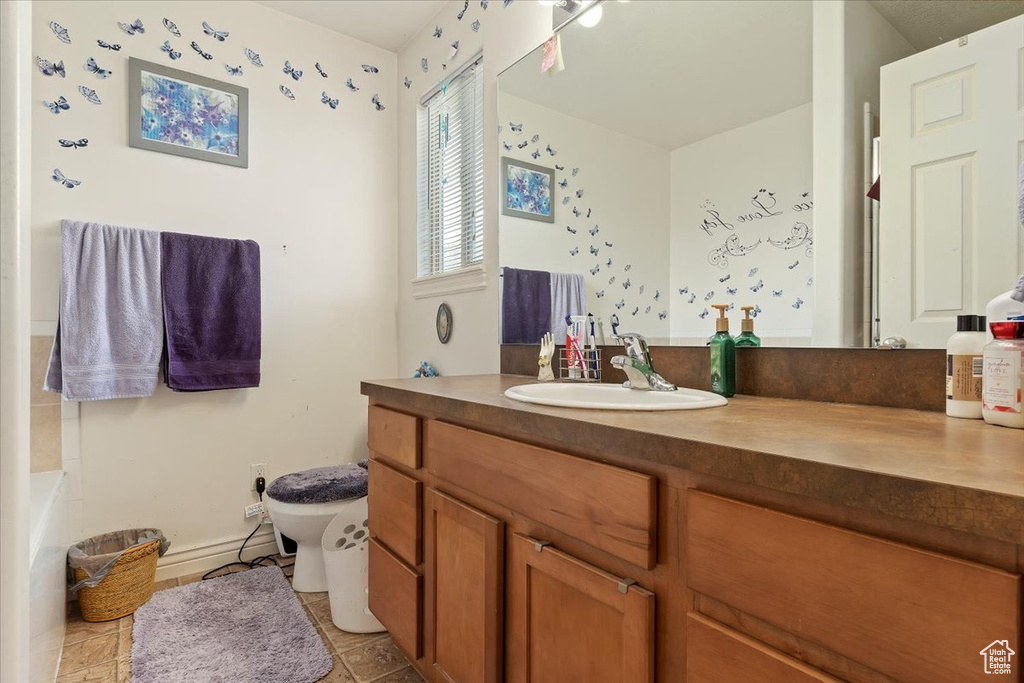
pixel 464 280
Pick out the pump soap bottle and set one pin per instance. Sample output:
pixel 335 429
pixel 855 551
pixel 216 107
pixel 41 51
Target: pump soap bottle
pixel 747 336
pixel 723 356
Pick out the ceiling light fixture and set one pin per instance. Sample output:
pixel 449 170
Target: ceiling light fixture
pixel 591 17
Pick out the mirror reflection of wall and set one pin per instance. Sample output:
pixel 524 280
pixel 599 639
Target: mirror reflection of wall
pixel 686 165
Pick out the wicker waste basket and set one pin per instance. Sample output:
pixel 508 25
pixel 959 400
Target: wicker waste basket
pixel 115 573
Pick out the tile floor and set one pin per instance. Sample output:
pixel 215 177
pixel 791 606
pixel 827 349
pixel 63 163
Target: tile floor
pixel 101 652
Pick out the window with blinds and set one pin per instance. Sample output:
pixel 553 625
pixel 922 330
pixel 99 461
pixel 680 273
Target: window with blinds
pixel 450 216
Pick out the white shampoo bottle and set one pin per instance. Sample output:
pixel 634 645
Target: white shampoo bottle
pixel 964 367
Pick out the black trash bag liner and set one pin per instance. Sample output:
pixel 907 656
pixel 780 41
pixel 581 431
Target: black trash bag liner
pixel 96 556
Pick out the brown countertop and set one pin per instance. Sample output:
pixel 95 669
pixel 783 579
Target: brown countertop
pixel 924 466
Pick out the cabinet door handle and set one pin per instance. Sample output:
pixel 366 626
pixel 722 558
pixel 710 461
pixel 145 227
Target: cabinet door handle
pixel 540 545
pixel 624 585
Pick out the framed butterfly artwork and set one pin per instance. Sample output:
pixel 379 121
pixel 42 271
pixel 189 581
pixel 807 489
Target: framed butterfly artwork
pixel 527 190
pixel 176 112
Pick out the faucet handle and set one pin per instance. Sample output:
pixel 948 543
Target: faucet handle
pixel 635 345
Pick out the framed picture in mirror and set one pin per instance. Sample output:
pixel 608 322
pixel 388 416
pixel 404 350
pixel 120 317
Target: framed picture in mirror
pixel 527 190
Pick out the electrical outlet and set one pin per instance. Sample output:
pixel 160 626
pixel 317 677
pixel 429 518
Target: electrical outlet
pixel 253 510
pixel 257 470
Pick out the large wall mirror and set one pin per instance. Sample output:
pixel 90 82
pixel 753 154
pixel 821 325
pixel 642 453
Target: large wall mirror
pixel 670 155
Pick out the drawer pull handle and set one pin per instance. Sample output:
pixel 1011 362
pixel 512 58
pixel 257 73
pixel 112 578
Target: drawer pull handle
pixel 624 585
pixel 539 545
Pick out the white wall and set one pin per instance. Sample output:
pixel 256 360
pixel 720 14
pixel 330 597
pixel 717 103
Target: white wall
pixel 851 43
pixel 625 186
pixel 505 34
pixel 319 197
pixel 720 188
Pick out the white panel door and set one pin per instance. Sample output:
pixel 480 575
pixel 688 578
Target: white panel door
pixel 952 135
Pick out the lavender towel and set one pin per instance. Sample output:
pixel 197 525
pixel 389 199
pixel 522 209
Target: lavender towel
pixel 525 305
pixel 110 331
pixel 1020 194
pixel 568 297
pixel 211 290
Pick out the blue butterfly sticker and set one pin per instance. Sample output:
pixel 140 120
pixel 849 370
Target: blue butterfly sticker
pixel 475 26
pixel 60 105
pixel 296 74
pixel 370 69
pixel 199 51
pixel 376 103
pixel 210 31
pixel 462 12
pixel 172 27
pixel 437 31
pixel 234 70
pixel 109 46
pixel 326 99
pixel 92 67
pixel 171 52
pixel 73 144
pixel 61 32
pixel 48 68
pixel 424 65
pixel 287 92
pixel 64 180
pixel 408 83
pixel 132 28
pixel 351 86
pixel 89 94
pixel 516 127
pixel 320 70
pixel 253 57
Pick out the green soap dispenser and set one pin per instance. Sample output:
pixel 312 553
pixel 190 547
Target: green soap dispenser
pixel 747 336
pixel 723 356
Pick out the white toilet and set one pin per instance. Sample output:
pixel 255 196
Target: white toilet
pixel 302 504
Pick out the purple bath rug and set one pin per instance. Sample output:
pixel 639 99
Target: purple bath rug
pixel 247 627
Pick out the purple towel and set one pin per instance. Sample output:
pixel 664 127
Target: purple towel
pixel 211 291
pixel 525 305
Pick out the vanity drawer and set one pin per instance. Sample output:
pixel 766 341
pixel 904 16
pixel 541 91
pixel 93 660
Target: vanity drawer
pixel 396 598
pixel 607 507
pixel 395 511
pixel 394 435
pixel 908 613
pixel 717 654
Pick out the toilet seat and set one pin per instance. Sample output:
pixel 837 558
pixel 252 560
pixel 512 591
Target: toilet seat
pixel 320 485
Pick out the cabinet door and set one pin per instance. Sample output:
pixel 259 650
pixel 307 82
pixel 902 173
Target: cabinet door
pixel 465 559
pixel 396 597
pixel 570 621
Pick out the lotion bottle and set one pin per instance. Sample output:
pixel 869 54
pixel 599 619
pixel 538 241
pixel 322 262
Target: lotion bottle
pixel 747 336
pixel 723 355
pixel 964 352
pixel 1003 382
pixel 1007 305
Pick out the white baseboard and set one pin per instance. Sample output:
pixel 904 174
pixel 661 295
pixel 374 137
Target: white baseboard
pixel 206 556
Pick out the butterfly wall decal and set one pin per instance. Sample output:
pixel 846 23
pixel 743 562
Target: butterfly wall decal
pixel 508 147
pixel 132 28
pixel 594 230
pixel 596 269
pixel 408 83
pixel 594 250
pixel 551 151
pixel 437 31
pixel 515 127
pixel 483 5
pixel 462 12
pixel 296 74
pixel 92 67
pixel 233 70
pixel 320 70
pixel 351 86
pixel 563 183
pixel 199 51
pixel 56 107
pixel 376 103
pixel 599 294
pixel 287 92
pixel 475 25
pixel 575 171
pixel 370 69
pixel 210 31
pixel 109 46
pixel 253 57
pixel 523 144
pixel 571 230
pixel 172 27
pixel 73 144
pixel 326 99
pixel 64 180
pixel 424 65
pixel 48 68
pixel 574 251
pixel 89 94
pixel 535 154
pixel 61 32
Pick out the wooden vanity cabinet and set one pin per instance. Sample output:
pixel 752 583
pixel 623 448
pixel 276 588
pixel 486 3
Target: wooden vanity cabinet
pixel 570 621
pixel 465 557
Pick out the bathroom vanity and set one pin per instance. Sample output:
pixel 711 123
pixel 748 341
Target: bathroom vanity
pixel 769 540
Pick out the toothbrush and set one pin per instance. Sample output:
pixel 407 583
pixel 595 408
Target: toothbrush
pixel 593 344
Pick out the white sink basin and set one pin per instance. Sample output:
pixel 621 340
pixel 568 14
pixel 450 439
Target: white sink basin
pixel 613 397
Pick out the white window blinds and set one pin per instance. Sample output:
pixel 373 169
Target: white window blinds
pixel 450 216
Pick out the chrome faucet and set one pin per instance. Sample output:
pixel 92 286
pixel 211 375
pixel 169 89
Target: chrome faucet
pixel 637 365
